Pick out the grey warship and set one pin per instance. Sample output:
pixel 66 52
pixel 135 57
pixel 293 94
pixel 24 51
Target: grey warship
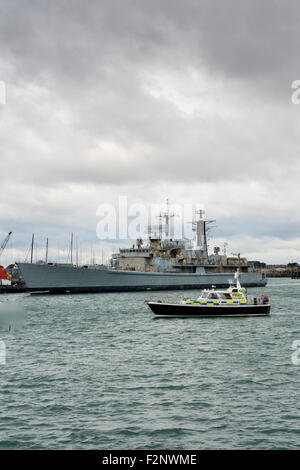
pixel 162 263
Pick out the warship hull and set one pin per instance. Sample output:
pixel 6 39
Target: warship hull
pixel 61 279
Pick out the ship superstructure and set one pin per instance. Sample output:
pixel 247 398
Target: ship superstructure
pixel 165 254
pixel 161 262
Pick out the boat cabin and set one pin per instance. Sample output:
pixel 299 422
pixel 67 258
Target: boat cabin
pixel 233 295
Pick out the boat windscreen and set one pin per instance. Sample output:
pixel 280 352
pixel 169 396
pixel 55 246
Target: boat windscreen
pixel 213 295
pixel 225 295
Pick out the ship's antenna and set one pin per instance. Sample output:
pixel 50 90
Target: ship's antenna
pixel 166 216
pixel 163 225
pixel 160 225
pixel 201 213
pixel 32 246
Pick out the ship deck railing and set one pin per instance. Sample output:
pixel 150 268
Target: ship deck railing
pixel 134 250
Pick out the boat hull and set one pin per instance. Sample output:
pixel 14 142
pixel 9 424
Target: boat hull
pixel 58 279
pixel 161 309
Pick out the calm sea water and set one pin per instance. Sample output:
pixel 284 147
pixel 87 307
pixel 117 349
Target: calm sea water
pixel 98 371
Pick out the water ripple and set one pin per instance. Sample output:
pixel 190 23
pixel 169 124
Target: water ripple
pixel 95 371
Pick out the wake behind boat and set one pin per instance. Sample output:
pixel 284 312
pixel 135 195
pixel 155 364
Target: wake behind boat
pixel 233 302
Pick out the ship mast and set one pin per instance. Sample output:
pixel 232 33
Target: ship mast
pixel 200 226
pixel 166 217
pixel 163 225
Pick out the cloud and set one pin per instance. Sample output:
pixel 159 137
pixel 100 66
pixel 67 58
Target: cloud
pixel 149 99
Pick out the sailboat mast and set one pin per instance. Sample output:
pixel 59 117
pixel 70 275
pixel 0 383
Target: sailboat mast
pixel 76 250
pixel 72 248
pixel 32 245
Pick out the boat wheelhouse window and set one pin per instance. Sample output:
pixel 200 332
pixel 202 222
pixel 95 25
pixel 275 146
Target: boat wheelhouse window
pixel 225 295
pixel 213 295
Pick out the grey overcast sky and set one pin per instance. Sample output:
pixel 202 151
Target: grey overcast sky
pixel 189 100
